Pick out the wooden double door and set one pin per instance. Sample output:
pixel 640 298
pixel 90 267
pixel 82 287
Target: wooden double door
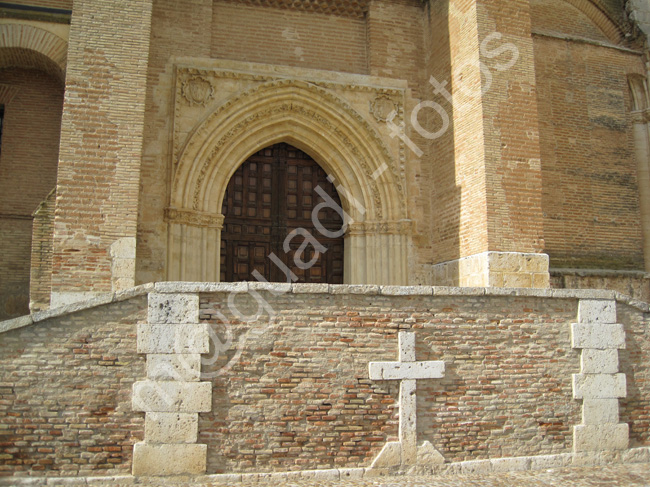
pixel 268 208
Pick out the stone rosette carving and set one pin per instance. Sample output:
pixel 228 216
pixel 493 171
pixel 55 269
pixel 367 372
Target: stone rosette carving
pixel 382 107
pixel 197 90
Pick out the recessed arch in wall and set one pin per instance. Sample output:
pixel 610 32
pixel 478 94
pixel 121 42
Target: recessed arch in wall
pixel 320 124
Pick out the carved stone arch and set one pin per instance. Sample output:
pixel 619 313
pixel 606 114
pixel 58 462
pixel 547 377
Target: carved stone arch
pixel 29 46
pixel 318 122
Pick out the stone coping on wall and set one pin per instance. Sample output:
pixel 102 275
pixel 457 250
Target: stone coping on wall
pixel 471 467
pixel 598 273
pixel 340 289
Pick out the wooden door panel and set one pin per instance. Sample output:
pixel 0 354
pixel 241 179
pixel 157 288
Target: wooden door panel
pixel 270 195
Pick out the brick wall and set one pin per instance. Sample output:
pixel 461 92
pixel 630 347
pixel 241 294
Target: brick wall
pixel 590 191
pixel 291 391
pixel 280 36
pixel 65 393
pixel 439 168
pixel 101 142
pixel 635 363
pixel 40 278
pixel 299 396
pixel 33 102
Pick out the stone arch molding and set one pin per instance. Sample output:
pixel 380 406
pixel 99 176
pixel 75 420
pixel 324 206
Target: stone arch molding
pixel 36 47
pixel 329 130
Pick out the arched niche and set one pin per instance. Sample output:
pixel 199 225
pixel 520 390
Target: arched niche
pixel 27 46
pixel 320 124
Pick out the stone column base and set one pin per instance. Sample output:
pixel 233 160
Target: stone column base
pixel 494 269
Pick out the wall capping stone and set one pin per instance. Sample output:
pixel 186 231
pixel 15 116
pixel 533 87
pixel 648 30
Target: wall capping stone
pixel 492 465
pixel 340 289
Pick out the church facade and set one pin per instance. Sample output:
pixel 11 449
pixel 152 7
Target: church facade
pixel 449 199
pixel 458 143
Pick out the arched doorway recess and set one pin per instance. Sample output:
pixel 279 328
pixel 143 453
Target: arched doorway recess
pixel 317 122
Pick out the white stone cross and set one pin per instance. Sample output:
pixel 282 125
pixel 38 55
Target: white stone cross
pixel 406 370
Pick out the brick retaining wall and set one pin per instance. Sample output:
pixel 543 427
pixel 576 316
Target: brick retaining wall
pixel 296 394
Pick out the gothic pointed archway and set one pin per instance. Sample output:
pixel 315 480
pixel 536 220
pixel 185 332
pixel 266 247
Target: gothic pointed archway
pixel 327 129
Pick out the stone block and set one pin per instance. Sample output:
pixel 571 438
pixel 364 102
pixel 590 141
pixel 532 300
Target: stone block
pixel 598 437
pixel 550 461
pixel 596 311
pixel 602 336
pixel 599 411
pixel 599 361
pixel 173 338
pixel 123 248
pixel 599 386
pixel 170 287
pixel 173 308
pixel 275 288
pixel 310 288
pixel 354 289
pixel 15 323
pixel 163 460
pixel 406 290
pixel 222 478
pixel 475 467
pixel 328 475
pixel 515 464
pixel 172 397
pixel 180 367
pixel 637 455
pixel 171 427
pixel 351 473
pixel 515 279
pixel 406 370
pixel 541 280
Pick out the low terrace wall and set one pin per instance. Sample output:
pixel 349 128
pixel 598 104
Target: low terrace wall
pixel 250 377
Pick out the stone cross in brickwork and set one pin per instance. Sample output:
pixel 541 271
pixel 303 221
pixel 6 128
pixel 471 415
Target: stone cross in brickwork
pixel 406 370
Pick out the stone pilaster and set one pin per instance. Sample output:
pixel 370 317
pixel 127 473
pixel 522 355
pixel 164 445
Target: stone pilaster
pixel 173 395
pixel 599 385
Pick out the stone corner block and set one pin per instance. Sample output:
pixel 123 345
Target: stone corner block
pixel 172 396
pixel 602 336
pixel 173 338
pixel 171 427
pixel 164 460
pixel 173 308
pixel 595 361
pixel 600 437
pixel 600 411
pixel 599 386
pixel 597 311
